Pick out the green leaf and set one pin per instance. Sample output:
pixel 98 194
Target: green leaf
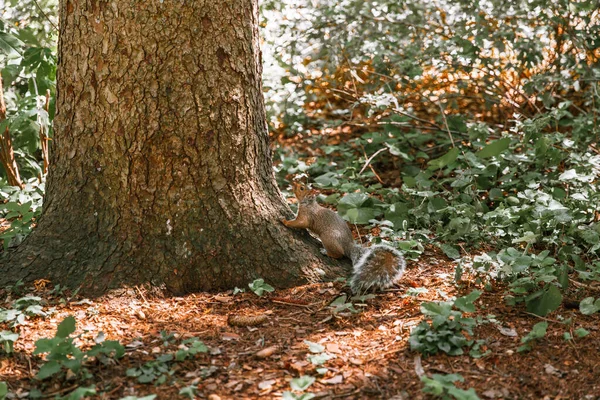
pixel 494 148
pixel 48 369
pixel 314 347
pixel 549 301
pixel 353 200
pixel 319 359
pixel 444 160
pixel 581 332
pixel 258 286
pixel 588 306
pixel 189 391
pixel 9 44
pixel 360 216
pixel 538 331
pixel 450 251
pixel 66 327
pixel 302 383
pixel 3 390
pixel 45 345
pixel 327 180
pixel 82 392
pixel 460 394
pixel 465 303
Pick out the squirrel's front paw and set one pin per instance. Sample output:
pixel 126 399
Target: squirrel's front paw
pixel 284 221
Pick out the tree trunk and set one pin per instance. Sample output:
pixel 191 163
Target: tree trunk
pixel 160 165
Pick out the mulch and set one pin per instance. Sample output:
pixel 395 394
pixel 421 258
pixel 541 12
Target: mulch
pixel 372 358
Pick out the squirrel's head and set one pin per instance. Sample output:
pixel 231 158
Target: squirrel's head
pixel 303 192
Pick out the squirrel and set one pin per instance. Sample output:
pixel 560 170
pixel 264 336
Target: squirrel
pixel 377 267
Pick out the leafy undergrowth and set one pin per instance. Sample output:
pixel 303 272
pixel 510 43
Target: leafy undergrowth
pixel 294 344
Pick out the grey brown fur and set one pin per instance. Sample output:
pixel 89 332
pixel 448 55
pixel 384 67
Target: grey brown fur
pixel 375 267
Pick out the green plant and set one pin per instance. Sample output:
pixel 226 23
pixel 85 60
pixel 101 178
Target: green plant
pixel 189 391
pixel 537 332
pixel 300 385
pixel 157 371
pixel 80 393
pixel 189 348
pixel 62 353
pixel 28 306
pixel 7 340
pixel 340 305
pixel 442 386
pixel 22 207
pixel 446 330
pixel 3 390
pixel 258 286
pixel 318 356
pixel 589 306
pixel 167 337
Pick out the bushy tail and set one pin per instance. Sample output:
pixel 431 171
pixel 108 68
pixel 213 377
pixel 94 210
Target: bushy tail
pixel 376 267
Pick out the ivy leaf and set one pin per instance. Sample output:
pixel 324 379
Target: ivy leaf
pixel 353 200
pixel 465 303
pixel 302 383
pixel 314 347
pixel 581 332
pixel 493 149
pixel 588 306
pixel 549 301
pixel 451 251
pixel 82 392
pixel 444 160
pixel 3 390
pixel 360 216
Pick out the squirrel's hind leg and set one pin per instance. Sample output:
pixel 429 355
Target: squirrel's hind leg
pixel 333 248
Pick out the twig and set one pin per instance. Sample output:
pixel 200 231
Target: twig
pixel 44 137
pixel 7 155
pixel 45 16
pixel 335 396
pixel 291 304
pixel 544 318
pixel 371 159
pixel 446 124
pixel 63 390
pixel 141 294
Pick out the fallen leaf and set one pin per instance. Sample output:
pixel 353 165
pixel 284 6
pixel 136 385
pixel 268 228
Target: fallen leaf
pixel 266 384
pixel 418 366
pixel 266 352
pixel 333 348
pixel 334 380
pixel 230 336
pixel 507 331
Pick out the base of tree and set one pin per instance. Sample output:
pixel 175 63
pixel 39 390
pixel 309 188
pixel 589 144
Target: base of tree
pixel 95 266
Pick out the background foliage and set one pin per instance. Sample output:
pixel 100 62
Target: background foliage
pixel 469 125
pixel 28 36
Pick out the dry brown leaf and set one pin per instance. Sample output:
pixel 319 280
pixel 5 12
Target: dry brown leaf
pixel 266 352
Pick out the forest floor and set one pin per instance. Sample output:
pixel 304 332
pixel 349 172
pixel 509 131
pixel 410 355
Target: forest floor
pixel 369 350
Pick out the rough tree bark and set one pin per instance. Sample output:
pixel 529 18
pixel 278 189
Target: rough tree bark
pixel 160 165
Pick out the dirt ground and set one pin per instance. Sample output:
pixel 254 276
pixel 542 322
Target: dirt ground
pixel 372 358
